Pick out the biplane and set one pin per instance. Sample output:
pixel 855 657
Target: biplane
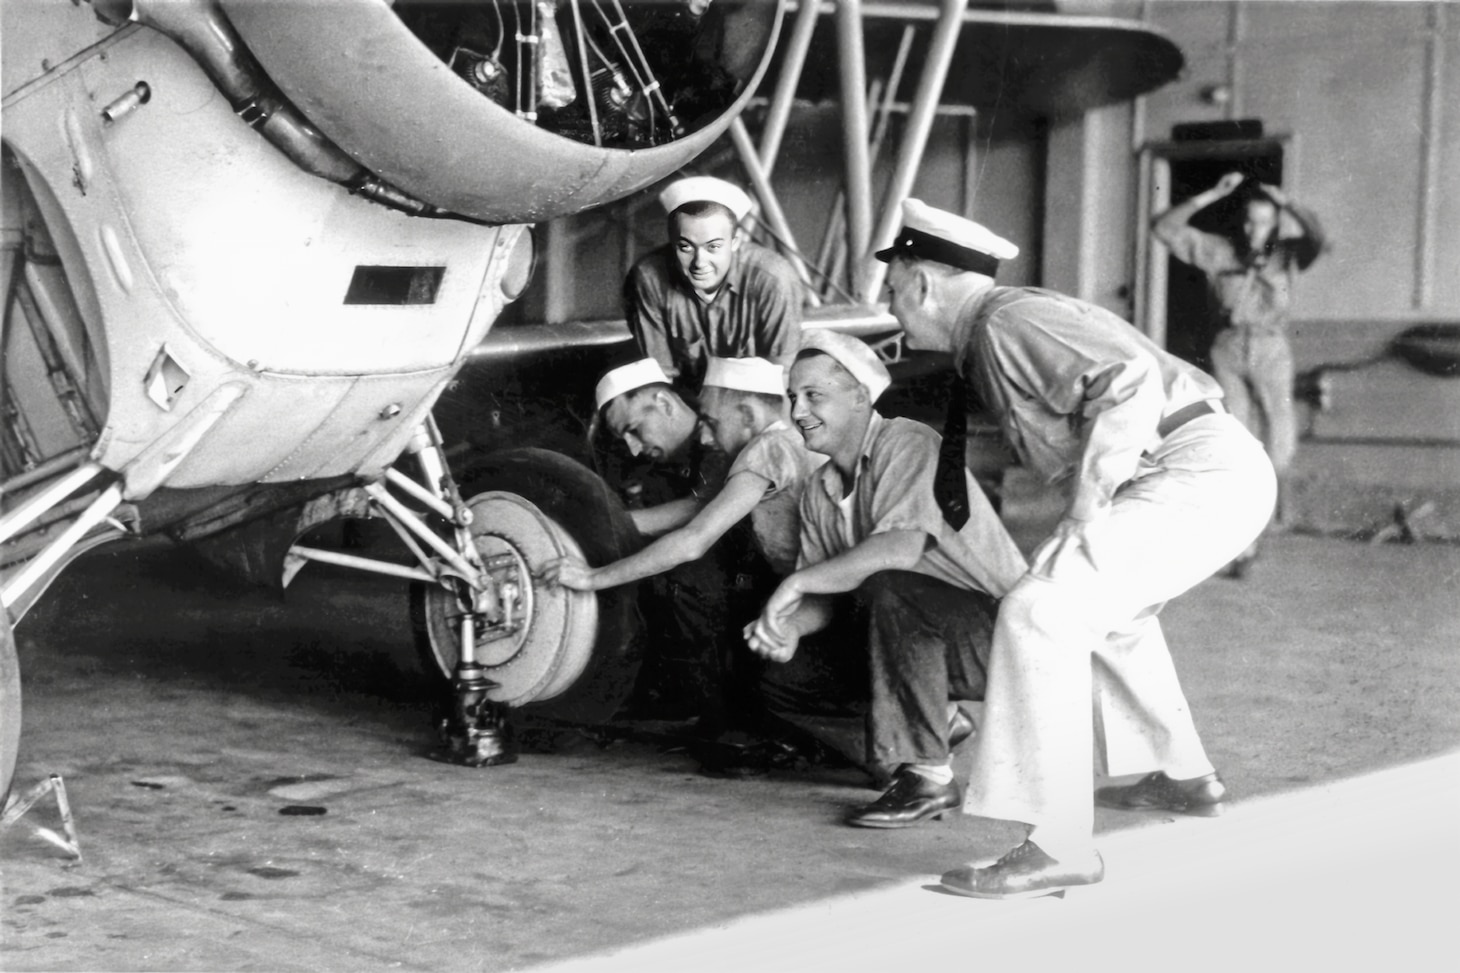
pixel 248 244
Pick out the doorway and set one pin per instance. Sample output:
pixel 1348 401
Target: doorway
pixel 1172 306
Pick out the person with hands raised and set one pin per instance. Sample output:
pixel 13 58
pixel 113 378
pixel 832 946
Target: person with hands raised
pixel 1251 273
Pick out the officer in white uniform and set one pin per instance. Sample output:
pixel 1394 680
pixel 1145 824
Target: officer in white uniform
pixel 1164 489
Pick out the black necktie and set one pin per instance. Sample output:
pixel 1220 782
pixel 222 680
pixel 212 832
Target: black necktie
pixel 950 482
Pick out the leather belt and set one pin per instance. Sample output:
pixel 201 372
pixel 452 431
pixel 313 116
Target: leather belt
pixel 1183 415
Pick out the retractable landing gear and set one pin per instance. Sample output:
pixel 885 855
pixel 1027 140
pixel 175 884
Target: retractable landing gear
pixel 499 636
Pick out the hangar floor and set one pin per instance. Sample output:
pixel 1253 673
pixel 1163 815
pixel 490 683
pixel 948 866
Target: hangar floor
pixel 183 713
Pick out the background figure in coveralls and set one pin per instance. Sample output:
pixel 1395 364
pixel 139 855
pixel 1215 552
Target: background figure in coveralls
pixel 1250 276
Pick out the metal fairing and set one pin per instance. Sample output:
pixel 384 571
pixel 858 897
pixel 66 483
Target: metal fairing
pixel 186 235
pixel 441 141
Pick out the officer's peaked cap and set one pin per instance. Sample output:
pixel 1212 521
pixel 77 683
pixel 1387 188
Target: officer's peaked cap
pixel 929 233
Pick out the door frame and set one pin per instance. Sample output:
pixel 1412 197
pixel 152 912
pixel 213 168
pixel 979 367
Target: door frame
pixel 1154 196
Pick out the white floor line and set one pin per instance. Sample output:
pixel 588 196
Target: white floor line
pixel 1353 875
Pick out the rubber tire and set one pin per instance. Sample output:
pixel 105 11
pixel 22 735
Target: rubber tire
pixel 582 504
pixel 1432 348
pixel 9 708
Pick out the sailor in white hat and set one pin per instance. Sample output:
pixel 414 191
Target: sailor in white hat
pixel 711 291
pixel 870 525
pixel 744 415
pixel 643 410
pixel 653 421
pixel 1164 489
pixel 706 189
pixel 673 480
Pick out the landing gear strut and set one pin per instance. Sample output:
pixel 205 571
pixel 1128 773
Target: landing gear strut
pixel 501 638
pixel 476 733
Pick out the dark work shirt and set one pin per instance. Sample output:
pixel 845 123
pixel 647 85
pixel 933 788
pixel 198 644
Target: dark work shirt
pixel 755 313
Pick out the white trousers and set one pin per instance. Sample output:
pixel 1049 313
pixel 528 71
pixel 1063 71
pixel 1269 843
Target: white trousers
pixel 1087 630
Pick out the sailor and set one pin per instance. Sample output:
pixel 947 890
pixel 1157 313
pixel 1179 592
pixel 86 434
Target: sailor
pixel 1250 276
pixel 928 590
pixel 1164 488
pixel 684 674
pixel 652 420
pixel 711 291
pixel 744 416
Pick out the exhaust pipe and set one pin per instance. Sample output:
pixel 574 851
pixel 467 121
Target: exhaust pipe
pixel 201 29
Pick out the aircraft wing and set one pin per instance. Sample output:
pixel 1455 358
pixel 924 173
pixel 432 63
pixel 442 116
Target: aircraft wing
pixel 864 321
pixel 1032 62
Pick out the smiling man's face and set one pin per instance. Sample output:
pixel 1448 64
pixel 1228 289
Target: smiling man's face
pixel 828 406
pixel 705 248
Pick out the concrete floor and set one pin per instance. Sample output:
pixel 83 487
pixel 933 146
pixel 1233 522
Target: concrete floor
pixel 185 713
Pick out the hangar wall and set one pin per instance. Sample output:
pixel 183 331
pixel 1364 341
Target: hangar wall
pixel 1356 89
pixel 992 166
pixel 1373 146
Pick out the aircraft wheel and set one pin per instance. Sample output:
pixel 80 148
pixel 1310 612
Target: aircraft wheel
pixel 9 707
pixel 572 655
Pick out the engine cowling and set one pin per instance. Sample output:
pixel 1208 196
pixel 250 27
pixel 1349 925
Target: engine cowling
pixel 651 86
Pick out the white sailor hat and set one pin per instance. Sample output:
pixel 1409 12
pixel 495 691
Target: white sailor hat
pixel 853 355
pixel 706 189
pixel 929 233
pixel 746 375
pixel 626 378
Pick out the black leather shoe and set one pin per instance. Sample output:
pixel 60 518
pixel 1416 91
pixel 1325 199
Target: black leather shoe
pixel 911 798
pixel 1197 795
pixel 960 728
pixel 729 757
pixel 1024 873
